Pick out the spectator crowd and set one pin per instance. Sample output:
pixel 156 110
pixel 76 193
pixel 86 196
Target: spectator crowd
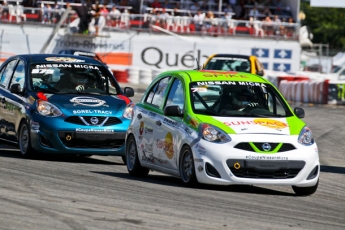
pixel 255 17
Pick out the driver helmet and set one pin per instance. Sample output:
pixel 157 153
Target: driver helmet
pixel 241 99
pixel 79 78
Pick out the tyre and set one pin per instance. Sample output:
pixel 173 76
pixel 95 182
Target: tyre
pixel 187 168
pixel 24 141
pixel 132 160
pixel 305 191
pixel 124 159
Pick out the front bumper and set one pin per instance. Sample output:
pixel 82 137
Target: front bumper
pixel 222 164
pixel 54 136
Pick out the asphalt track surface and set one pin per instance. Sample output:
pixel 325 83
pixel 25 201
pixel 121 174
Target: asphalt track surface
pixel 65 192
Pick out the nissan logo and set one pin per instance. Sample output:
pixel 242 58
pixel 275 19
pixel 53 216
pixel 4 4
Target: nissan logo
pixel 94 121
pixel 266 147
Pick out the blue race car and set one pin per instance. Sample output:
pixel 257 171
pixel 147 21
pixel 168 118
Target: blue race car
pixel 53 103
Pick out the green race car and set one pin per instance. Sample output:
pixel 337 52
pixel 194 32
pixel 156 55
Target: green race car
pixel 221 128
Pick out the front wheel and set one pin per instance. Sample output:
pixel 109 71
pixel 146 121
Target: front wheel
pixel 187 169
pixel 132 160
pixel 305 191
pixel 24 141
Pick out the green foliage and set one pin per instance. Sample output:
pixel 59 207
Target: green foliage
pixel 326 24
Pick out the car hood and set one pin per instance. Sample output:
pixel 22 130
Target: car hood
pixel 89 104
pixel 256 125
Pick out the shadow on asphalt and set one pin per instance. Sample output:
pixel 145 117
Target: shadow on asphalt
pixel 167 180
pixel 332 169
pixel 59 158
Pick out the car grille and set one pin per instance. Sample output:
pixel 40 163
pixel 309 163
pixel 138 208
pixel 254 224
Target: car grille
pixel 99 140
pixel 86 120
pixel 246 146
pixel 259 169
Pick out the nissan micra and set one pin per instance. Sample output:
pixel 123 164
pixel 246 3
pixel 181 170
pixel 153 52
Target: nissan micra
pixel 62 104
pixel 221 128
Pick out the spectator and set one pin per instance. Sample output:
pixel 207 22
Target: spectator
pixel 228 9
pixel 104 11
pixel 204 6
pixel 254 13
pixel 156 4
pixel 209 20
pixel 46 13
pixel 163 18
pixel 267 26
pixel 96 15
pixel 277 23
pixel 267 11
pixel 194 7
pixel 167 5
pixel 198 20
pixel 114 16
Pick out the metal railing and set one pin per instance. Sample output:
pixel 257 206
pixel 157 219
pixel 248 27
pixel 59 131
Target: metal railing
pixel 184 25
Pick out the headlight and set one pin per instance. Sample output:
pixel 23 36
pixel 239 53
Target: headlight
pixel 213 134
pixel 128 112
pixel 306 137
pixel 48 109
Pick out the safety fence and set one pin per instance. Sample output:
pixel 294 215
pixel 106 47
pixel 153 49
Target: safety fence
pixel 300 89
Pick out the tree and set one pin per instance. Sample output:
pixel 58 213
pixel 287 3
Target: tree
pixel 326 24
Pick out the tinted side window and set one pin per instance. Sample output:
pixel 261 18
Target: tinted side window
pixel 157 92
pixel 176 95
pixel 7 73
pixel 19 75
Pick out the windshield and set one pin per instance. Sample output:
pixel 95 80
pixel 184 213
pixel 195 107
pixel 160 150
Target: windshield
pixel 228 64
pixel 72 78
pixel 236 99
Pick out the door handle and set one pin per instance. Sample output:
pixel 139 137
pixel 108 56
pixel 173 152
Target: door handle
pixel 139 116
pixel 159 123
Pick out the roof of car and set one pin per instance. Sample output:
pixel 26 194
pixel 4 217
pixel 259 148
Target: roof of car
pixel 42 58
pixel 231 55
pixel 218 75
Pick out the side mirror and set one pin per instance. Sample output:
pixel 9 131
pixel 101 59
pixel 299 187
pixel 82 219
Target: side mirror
pixel 128 91
pixel 260 73
pixel 16 88
pixel 173 110
pixel 299 112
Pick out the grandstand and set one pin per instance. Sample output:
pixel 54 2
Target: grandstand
pixel 259 18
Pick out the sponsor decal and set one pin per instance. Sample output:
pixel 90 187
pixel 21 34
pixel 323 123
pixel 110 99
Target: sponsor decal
pixel 198 160
pixel 88 101
pixel 94 130
pixel 85 67
pixel 193 123
pixel 167 145
pixel 148 130
pixel 250 157
pixel 202 83
pixel 64 59
pixel 269 123
pixel 199 89
pixel 54 66
pixel 226 74
pixel 42 71
pixel 152 115
pixel 170 122
pixel 141 128
pixel 200 149
pixel 93 111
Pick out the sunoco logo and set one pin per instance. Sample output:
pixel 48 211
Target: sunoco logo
pixel 88 101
